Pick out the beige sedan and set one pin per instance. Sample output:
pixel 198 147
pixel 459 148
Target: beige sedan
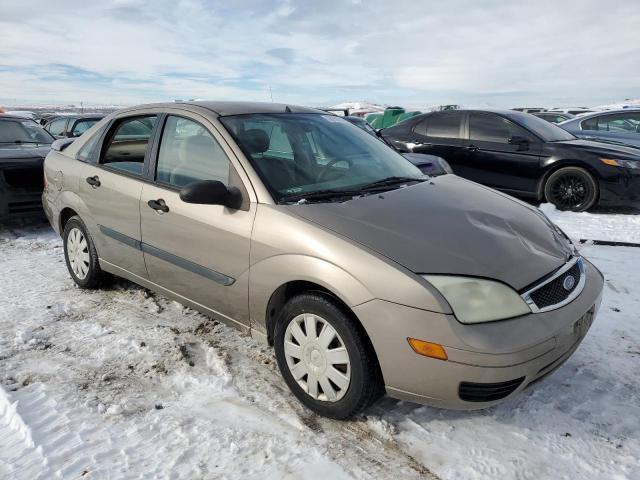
pixel 312 236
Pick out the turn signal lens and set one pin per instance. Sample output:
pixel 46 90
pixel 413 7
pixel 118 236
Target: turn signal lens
pixel 610 161
pixel 428 349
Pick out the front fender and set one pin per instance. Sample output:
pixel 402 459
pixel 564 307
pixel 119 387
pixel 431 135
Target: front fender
pixel 267 275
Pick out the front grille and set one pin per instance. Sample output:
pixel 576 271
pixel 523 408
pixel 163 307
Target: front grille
pixel 554 292
pixel 487 392
pixel 557 289
pixel 30 178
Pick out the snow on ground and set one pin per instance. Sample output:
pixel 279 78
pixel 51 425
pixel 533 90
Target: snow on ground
pixel 617 225
pixel 121 383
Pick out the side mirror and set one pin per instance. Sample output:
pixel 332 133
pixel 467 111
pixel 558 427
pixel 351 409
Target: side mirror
pixel 518 140
pixel 211 192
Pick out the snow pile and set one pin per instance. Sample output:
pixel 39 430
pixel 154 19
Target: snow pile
pixel 121 383
pixel 616 227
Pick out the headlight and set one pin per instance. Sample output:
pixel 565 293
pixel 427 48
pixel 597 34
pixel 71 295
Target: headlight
pixel 475 300
pixel 616 162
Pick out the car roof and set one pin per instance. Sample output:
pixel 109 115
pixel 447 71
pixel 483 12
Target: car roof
pixel 76 115
pixel 584 116
pixel 6 116
pixel 226 108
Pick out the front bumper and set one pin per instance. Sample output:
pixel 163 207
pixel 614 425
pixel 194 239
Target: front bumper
pixel 502 356
pixel 20 189
pixel 621 190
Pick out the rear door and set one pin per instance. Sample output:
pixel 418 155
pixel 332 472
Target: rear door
pixel 492 158
pixel 111 190
pixel 200 252
pixel 441 134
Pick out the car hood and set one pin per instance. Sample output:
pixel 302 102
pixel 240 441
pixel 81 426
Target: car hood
pixel 17 151
pixel 449 225
pixel 603 147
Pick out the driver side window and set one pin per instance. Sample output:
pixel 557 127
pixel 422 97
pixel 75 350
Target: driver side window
pixel 189 153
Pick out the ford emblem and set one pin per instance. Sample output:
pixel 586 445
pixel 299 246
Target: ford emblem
pixel 568 282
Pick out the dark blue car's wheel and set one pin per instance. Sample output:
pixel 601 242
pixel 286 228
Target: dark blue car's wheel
pixel 571 188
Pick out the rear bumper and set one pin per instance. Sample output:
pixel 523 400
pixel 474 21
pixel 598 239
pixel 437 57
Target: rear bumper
pixel 487 362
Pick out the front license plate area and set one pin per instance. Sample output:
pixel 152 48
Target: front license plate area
pixel 582 325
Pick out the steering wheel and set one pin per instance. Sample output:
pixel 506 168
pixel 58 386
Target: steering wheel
pixel 331 163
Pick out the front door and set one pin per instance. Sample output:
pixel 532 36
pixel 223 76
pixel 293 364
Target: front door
pixel 200 252
pixel 501 154
pixel 111 191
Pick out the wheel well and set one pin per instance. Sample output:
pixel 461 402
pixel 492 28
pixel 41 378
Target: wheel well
pixel 566 163
pixel 283 294
pixel 65 215
pixel 290 289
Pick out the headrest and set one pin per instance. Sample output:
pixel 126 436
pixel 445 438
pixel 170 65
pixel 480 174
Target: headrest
pixel 255 140
pixel 196 145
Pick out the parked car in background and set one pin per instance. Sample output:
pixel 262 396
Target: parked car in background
pixel 554 117
pixel 572 110
pixel 525 156
pixel 529 109
pixel 428 164
pixel 23 146
pixel 617 125
pixel 314 237
pixel 71 126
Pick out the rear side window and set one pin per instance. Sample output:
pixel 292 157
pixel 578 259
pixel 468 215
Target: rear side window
pixel 189 153
pixel 127 145
pixel 444 125
pixel 485 127
pixel 57 127
pixel 622 123
pixel 86 153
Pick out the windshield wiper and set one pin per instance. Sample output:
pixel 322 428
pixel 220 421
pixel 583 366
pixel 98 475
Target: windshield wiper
pixel 18 142
pixel 389 182
pixel 320 195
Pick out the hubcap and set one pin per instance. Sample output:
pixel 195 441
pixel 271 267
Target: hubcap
pixel 569 191
pixel 317 357
pixel 78 253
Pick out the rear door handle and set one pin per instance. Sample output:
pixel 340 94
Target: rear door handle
pixel 158 205
pixel 472 148
pixel 93 181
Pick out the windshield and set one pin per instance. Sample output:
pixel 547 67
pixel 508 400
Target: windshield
pixel 23 131
pixel 300 154
pixel 549 132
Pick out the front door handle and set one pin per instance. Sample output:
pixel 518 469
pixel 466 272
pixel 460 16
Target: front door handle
pixel 472 148
pixel 158 205
pixel 93 181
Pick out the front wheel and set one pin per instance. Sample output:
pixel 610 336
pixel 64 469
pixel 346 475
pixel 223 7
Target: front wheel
pixel 325 357
pixel 81 256
pixel 571 188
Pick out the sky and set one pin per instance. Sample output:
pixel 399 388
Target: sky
pixel 318 53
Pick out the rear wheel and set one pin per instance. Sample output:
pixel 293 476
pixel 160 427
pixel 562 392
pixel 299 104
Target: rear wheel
pixel 81 256
pixel 571 188
pixel 325 357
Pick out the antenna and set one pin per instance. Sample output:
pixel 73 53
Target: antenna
pixel 270 93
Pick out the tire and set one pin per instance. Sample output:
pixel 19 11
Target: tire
pixel 81 256
pixel 332 396
pixel 571 188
